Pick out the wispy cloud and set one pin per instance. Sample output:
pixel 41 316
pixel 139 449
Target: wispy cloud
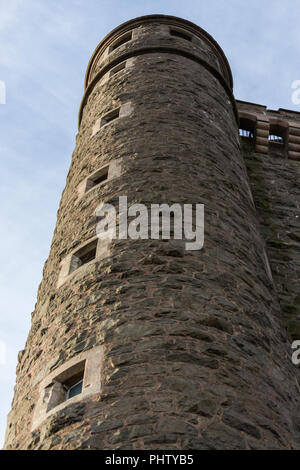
pixel 44 50
pixel 2 353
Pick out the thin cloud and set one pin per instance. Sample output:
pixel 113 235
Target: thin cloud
pixel 44 50
pixel 2 353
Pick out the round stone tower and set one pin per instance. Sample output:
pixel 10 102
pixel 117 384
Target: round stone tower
pixel 142 343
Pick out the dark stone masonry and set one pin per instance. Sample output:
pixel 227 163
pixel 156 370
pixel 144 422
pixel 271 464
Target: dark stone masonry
pixel 173 349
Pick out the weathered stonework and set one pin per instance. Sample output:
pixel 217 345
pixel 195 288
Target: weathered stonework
pixel 195 352
pixel 274 180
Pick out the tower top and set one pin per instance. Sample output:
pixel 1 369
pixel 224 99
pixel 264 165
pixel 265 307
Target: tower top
pixel 163 19
pixel 151 34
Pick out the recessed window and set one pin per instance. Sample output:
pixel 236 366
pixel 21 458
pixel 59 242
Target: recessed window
pixel 72 381
pixel 83 256
pixel 180 34
pixel 65 386
pixel 246 133
pixel 118 68
pixel 247 128
pixel 276 139
pixel 109 117
pixel 124 110
pixel 74 385
pixel 123 39
pixel 99 177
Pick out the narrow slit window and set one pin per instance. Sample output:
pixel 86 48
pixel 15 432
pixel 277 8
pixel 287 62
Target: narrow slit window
pixel 100 178
pixel 180 34
pixel 125 38
pixel 117 69
pixel 83 256
pixel 109 117
pixel 97 178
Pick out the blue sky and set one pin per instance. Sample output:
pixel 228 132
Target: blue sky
pixel 45 46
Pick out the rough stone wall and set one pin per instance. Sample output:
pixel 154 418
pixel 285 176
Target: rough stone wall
pixel 195 351
pixel 275 186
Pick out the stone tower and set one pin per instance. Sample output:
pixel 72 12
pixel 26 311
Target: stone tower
pixel 142 344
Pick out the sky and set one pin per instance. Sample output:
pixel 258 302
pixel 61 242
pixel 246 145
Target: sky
pixel 45 46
